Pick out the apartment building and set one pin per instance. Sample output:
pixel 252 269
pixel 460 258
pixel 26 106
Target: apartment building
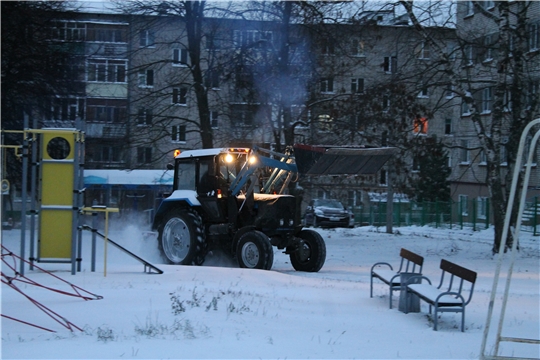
pixel 100 98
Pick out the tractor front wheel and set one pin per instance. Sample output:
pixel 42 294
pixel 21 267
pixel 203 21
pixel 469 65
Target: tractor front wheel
pixel 254 251
pixel 311 254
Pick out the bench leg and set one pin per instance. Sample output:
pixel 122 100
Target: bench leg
pixel 371 286
pixel 390 296
pixel 463 320
pixel 435 316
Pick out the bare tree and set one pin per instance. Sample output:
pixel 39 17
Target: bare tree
pixel 34 68
pixel 38 65
pixel 176 57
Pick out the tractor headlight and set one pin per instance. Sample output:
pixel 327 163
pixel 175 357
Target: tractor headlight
pixel 229 158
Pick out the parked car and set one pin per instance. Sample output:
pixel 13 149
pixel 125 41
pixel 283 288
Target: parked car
pixel 328 213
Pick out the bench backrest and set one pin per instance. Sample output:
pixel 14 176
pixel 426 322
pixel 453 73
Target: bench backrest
pixel 459 272
pixel 410 262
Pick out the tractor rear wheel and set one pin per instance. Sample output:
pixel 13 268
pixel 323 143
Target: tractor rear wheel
pixel 254 251
pixel 311 254
pixel 182 239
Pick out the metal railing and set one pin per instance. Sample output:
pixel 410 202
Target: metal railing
pixel 474 213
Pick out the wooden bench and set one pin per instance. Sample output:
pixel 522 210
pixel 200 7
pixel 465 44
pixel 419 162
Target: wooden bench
pixel 450 295
pixel 410 263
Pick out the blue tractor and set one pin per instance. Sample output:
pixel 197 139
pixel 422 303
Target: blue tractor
pixel 235 199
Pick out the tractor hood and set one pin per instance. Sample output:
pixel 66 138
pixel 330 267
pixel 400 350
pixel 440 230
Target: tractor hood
pixel 333 160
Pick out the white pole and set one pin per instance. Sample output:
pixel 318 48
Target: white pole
pixel 510 203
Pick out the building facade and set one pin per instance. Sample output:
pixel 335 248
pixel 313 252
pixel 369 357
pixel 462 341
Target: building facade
pixel 145 88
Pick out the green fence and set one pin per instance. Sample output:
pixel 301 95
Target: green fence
pixel 473 213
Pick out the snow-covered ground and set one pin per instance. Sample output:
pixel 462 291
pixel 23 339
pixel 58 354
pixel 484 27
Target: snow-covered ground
pixel 219 311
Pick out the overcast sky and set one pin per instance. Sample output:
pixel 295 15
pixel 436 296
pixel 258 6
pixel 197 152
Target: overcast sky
pixel 438 13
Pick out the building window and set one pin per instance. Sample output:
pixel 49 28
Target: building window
pixel 357 48
pixel 68 31
pixel 179 96
pixel 464 153
pixel 464 205
pixel 214 122
pixel 511 44
pixel 468 53
pixel 243 115
pixel 383 177
pixel 144 117
pixel 424 93
pixel 354 198
pixel 328 47
pixel 488 4
pixel 420 125
pixel 488 51
pixel 212 42
pixel 211 79
pixel 147 38
pixel 254 38
pixel 357 85
pixel 384 139
pixel 507 101
pixel 449 91
pixel 422 51
pixel 534 42
pixel 486 100
pixel 469 8
pixel 482 207
pixel 390 64
pixel 465 110
pixel 356 122
pixel 144 155
pixel 66 109
pixel 109 114
pixel 451 50
pixel 178 133
pixel 108 154
pixel 180 57
pixel 107 33
pixel 112 71
pixel 146 78
pixel 448 126
pixel 327 85
pixel 504 152
pixel 483 157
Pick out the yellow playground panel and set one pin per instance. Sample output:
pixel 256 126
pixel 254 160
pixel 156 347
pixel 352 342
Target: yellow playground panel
pixel 57 180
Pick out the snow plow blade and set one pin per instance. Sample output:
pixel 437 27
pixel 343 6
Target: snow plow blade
pixel 332 160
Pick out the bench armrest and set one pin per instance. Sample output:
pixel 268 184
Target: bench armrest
pixel 412 279
pixel 381 263
pixel 451 293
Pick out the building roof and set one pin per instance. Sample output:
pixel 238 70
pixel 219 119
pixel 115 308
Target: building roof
pixel 328 160
pixel 128 177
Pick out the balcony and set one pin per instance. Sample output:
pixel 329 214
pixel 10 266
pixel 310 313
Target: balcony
pixel 106 130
